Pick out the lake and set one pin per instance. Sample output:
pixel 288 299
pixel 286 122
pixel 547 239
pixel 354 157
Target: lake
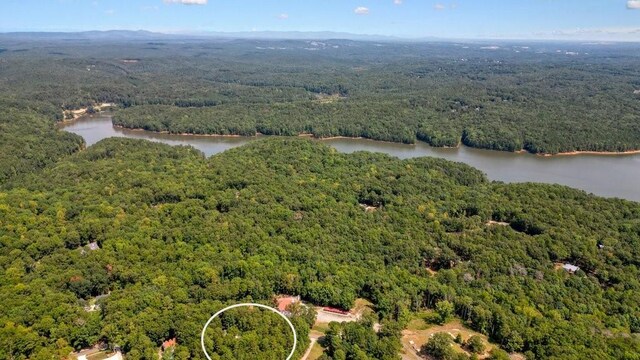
pixel 604 175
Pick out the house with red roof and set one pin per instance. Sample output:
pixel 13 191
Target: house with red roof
pixel 169 343
pixel 284 302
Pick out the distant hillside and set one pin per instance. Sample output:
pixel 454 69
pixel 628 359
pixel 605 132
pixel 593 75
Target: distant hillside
pixel 86 35
pixel 148 35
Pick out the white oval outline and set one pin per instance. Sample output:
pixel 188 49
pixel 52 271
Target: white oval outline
pixel 295 336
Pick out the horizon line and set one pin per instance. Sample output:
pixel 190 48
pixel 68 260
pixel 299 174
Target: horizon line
pixel 380 37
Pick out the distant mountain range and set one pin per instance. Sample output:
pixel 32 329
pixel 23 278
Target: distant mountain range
pixel 143 35
pixel 302 35
pixel 88 35
pixel 148 35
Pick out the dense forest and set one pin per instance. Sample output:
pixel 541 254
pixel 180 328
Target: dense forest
pixel 241 333
pixel 130 243
pixel 30 140
pixel 540 97
pixel 179 236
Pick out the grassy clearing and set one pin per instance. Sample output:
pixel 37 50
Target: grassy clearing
pixel 316 352
pixel 419 332
pixel 362 305
pixel 320 327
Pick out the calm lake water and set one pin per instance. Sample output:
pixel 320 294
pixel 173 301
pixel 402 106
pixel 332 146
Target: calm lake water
pixel 604 175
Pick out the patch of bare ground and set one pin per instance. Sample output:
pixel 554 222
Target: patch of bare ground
pixel 497 223
pixel 72 115
pixel 95 353
pixel 368 208
pixel 418 332
pixel 329 98
pixel 431 272
pixel 327 315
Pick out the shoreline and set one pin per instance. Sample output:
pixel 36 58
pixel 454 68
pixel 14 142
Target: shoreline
pixel 165 132
pixel 82 113
pixel 311 136
pixel 355 138
pixel 606 153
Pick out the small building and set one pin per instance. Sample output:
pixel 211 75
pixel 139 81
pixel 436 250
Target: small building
pixel 570 268
pixel 285 301
pixel 169 344
pixel 335 311
pixel 94 246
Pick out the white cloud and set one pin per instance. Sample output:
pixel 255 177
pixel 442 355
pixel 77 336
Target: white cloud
pixel 283 16
pixel 110 12
pixel 187 2
pixel 439 7
pixel 397 2
pixel 361 10
pixel 633 4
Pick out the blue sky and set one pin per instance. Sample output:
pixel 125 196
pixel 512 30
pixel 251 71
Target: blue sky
pixel 535 19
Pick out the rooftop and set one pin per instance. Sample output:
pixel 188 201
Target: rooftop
pixel 284 302
pixel 169 343
pixel 570 268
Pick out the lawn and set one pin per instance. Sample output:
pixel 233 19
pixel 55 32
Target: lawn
pixel 316 352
